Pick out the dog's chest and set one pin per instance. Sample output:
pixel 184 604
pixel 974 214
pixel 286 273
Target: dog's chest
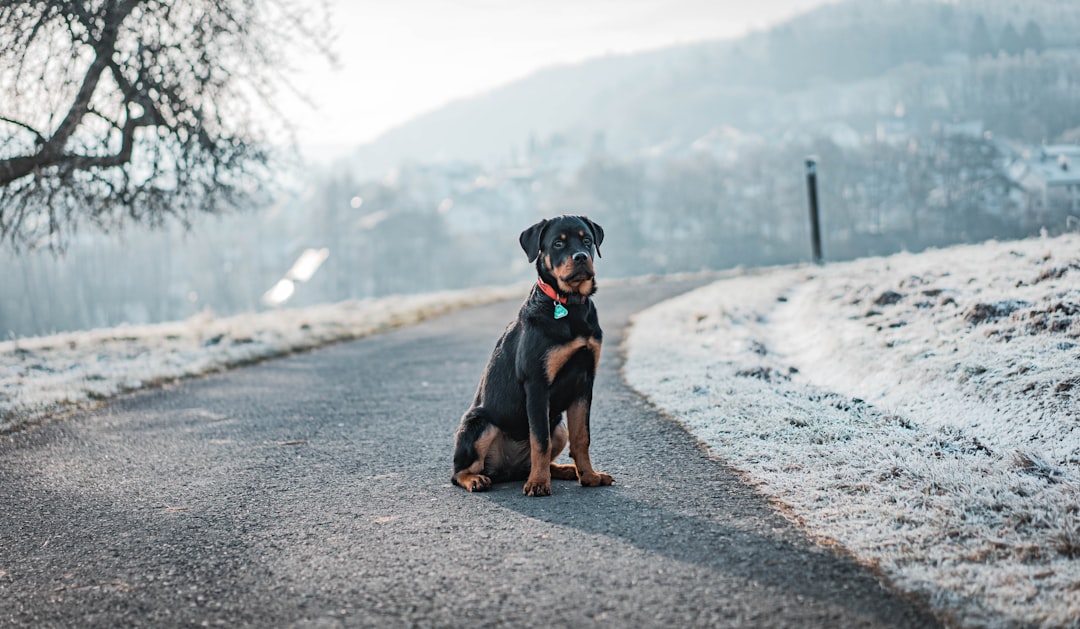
pixel 559 356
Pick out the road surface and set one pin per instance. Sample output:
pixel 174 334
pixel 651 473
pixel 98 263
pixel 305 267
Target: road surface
pixel 314 491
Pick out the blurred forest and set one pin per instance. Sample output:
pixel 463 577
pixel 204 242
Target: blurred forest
pixel 933 123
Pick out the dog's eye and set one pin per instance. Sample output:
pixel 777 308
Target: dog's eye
pixel 558 244
pixel 587 242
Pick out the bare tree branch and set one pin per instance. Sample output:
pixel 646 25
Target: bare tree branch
pixel 137 110
pixel 37 134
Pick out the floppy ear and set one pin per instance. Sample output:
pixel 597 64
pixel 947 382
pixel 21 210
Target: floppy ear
pixel 530 239
pixel 598 233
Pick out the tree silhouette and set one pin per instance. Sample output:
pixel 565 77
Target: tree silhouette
pixel 1032 38
pixel 132 111
pixel 981 43
pixel 1010 42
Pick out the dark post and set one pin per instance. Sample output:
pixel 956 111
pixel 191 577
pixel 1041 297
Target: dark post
pixel 811 189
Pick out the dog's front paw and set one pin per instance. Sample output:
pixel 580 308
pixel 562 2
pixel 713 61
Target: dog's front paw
pixel 537 488
pixel 595 479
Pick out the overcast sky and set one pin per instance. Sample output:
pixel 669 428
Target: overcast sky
pixel 403 58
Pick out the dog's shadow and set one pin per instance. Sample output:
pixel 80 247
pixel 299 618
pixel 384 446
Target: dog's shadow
pixel 745 547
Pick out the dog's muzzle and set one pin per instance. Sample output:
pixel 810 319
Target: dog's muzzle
pixel 582 268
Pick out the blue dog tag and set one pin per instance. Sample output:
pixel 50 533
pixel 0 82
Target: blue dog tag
pixel 560 312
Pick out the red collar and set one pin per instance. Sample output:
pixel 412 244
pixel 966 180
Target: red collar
pixel 550 292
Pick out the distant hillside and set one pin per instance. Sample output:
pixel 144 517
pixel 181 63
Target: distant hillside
pixel 582 98
pixel 680 93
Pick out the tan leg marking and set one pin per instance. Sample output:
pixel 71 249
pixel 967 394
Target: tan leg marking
pixel 471 478
pixel 561 471
pixel 579 448
pixel 539 482
pixel 559 438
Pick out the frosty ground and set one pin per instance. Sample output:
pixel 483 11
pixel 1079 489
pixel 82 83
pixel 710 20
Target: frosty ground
pixel 46 376
pixel 920 410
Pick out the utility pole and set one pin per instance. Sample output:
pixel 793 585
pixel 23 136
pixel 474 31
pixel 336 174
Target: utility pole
pixel 811 189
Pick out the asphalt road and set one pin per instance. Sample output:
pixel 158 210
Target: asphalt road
pixel 313 491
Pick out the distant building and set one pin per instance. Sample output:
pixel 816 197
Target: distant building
pixel 725 143
pixel 1047 179
pixel 842 135
pixel 894 132
pixel 968 129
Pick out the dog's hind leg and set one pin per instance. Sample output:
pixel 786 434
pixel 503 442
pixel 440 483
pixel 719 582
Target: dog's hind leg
pixel 471 444
pixel 560 471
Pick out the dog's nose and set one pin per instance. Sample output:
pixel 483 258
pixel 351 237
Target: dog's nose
pixel 581 256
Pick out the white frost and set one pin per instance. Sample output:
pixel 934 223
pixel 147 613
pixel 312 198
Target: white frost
pixel 921 410
pixel 44 376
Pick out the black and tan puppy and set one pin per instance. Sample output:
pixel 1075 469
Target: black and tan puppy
pixel 543 366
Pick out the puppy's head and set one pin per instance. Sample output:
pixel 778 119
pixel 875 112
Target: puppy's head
pixel 563 250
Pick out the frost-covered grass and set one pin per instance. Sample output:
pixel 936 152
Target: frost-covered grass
pixel 921 410
pixel 50 375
